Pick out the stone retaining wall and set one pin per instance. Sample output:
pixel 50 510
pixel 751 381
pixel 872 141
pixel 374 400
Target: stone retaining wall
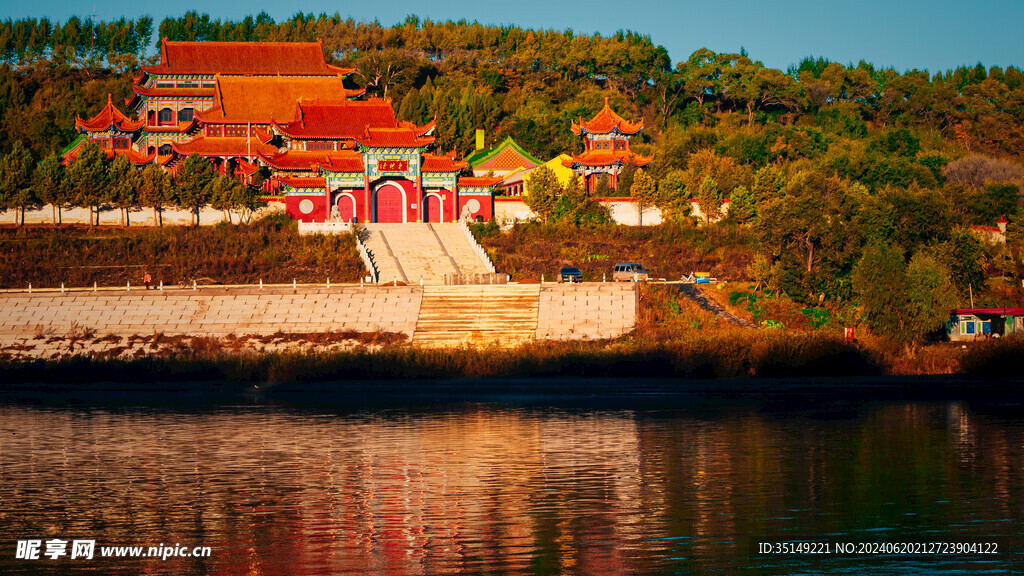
pixel 586 311
pixel 28 321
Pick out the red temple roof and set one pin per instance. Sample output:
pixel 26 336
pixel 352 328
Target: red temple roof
pixel 606 158
pixel 172 92
pixel 432 163
pixel 245 59
pixel 132 155
pixel 109 117
pixel 504 157
pixel 393 138
pixel 338 118
pixel 239 99
pixel 997 311
pixel 233 146
pixel 480 181
pixel 606 121
pixel 334 161
pixel 303 181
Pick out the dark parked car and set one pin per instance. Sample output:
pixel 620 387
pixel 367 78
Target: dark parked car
pixel 570 274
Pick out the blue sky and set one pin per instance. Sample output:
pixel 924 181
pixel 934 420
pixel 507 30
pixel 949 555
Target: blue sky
pixel 934 35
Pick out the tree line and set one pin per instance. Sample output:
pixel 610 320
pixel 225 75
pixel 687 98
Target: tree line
pixel 121 43
pixel 94 181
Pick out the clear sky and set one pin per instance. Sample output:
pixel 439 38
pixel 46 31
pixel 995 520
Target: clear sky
pixel 925 34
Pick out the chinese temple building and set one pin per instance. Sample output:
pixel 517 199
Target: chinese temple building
pixel 279 107
pixel 509 161
pixel 606 148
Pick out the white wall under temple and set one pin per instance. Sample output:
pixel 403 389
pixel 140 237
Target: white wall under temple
pixel 140 217
pixel 622 212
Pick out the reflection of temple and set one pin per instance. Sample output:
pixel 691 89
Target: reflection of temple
pixel 279 107
pixel 606 148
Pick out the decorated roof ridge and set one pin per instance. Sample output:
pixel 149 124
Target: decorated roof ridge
pixel 221 146
pixel 156 91
pixel 303 181
pixel 605 121
pixel 393 138
pixel 314 160
pixel 1002 220
pixel 244 58
pixel 505 144
pixel 108 117
pixel 247 168
pixel 479 181
pixel 442 163
pixel 425 130
pixel 607 157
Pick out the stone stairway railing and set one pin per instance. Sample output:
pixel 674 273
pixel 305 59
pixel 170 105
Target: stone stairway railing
pixel 367 258
pixel 477 247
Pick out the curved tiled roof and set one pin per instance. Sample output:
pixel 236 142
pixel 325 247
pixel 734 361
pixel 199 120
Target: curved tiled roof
pixel 606 158
pixel 245 59
pixel 303 181
pixel 479 181
pixel 508 155
pixel 393 138
pixel 335 119
pixel 339 161
pixel 109 117
pixel 232 146
pixel 262 100
pixel 605 121
pixel 432 163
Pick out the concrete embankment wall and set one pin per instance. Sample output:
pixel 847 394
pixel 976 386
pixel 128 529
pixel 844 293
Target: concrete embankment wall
pixel 581 311
pixel 586 311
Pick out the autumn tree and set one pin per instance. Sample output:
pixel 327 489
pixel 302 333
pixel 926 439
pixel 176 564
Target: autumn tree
pixel 542 192
pixel 644 193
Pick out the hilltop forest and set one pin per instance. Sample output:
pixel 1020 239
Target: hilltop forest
pixel 839 174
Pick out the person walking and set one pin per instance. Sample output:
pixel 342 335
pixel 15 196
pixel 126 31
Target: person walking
pixel 146 279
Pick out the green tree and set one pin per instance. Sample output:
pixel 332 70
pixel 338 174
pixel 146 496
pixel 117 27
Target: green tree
pixel 742 207
pixel 89 180
pixel 16 180
pixel 156 191
pixel 124 187
pixel 194 179
pixel 880 280
pixel 644 192
pixel 51 184
pixel 542 192
pixel 673 198
pixel 930 296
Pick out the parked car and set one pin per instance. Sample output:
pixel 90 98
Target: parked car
pixel 628 272
pixel 570 274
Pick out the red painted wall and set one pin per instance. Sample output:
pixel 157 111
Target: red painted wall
pixel 292 203
pixel 486 206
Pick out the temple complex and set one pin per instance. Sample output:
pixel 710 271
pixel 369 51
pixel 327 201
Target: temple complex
pixel 278 108
pixel 606 148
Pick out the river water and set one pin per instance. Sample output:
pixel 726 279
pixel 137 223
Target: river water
pixel 680 486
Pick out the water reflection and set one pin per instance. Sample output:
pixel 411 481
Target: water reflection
pixel 506 489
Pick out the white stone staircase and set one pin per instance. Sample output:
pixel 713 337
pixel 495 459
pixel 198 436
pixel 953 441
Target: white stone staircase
pixel 453 316
pixel 412 252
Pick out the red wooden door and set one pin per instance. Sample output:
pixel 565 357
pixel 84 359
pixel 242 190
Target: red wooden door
pixel 389 204
pixel 346 208
pixel 432 209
